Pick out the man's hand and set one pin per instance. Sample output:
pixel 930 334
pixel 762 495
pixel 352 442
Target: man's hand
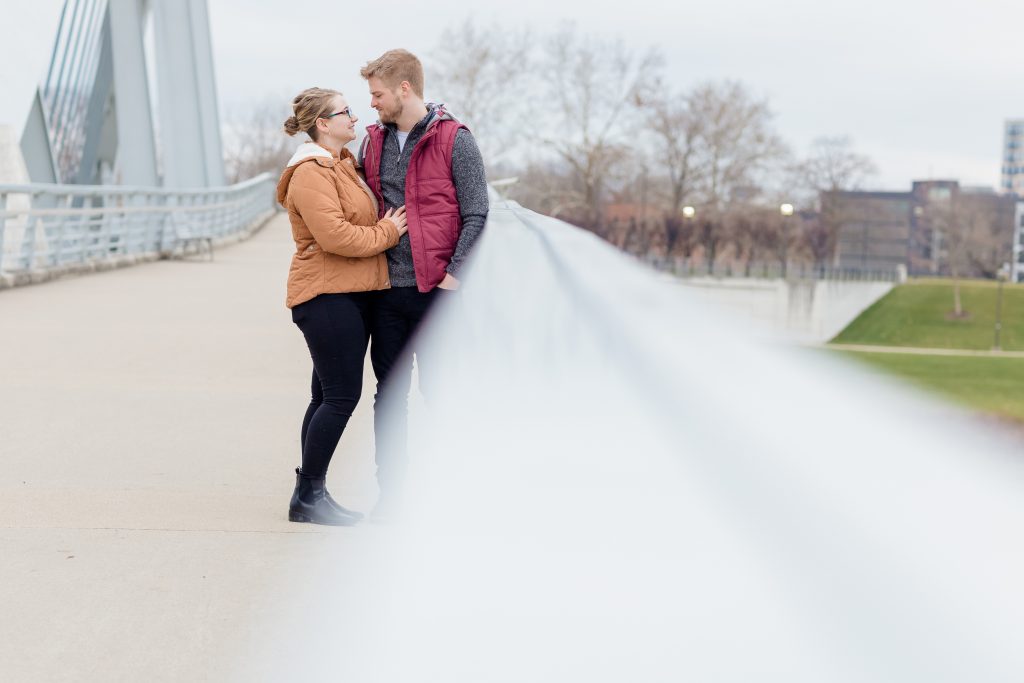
pixel 449 282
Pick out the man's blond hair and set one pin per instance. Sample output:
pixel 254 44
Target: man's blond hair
pixel 395 66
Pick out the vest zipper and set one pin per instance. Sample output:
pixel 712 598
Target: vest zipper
pixel 380 210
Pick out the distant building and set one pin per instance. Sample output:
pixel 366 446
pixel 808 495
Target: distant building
pixel 925 229
pixel 1013 157
pixel 872 228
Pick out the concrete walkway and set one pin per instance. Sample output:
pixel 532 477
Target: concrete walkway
pixel 149 424
pixel 917 351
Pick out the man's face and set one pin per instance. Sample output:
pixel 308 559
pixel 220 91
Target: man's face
pixel 386 101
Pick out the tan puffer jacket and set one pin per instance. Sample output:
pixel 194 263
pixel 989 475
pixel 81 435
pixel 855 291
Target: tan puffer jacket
pixel 339 243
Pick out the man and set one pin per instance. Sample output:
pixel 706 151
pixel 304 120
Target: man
pixel 419 147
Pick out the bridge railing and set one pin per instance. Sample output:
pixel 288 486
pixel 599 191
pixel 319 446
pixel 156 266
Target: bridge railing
pixel 54 229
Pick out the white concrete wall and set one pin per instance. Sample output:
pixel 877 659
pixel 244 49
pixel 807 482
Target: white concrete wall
pixel 807 312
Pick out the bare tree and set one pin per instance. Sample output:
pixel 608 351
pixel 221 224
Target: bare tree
pixel 254 142
pixel 975 238
pixel 946 220
pixel 680 237
pixel 756 234
pixel 988 224
pixel 482 73
pixel 677 131
pixel 730 144
pixel 610 129
pixel 831 166
pixel 544 186
pixel 592 84
pixel 818 237
pixel 712 234
pixel 737 141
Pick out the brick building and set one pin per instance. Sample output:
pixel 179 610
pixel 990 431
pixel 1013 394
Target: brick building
pixel 923 229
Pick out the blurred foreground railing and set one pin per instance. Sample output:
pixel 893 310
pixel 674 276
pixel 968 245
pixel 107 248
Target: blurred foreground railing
pixel 49 230
pixel 611 464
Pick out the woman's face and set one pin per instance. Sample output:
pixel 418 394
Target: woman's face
pixel 338 126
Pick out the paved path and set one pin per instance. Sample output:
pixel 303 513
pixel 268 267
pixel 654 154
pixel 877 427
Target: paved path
pixel 149 425
pixel 148 431
pixel 913 350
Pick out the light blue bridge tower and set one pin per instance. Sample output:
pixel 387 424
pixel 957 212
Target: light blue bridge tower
pixel 123 146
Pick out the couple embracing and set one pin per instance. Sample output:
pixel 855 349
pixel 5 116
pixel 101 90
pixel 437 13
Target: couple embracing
pixel 379 238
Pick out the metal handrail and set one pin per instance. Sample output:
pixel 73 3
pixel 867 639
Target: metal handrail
pixel 36 188
pixel 48 229
pixel 103 210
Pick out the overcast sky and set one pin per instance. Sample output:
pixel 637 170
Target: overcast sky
pixel 922 87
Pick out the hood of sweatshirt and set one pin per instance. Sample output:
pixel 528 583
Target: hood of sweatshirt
pixel 307 151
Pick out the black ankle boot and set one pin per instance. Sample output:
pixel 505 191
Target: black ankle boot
pixel 310 504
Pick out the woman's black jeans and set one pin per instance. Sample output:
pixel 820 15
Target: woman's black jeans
pixel 336 331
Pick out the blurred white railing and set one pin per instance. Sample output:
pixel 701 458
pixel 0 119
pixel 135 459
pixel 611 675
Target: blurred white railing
pixel 48 230
pixel 612 479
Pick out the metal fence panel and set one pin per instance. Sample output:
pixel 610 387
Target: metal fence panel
pixel 48 229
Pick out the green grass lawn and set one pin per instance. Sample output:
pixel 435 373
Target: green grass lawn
pixel 991 385
pixel 915 314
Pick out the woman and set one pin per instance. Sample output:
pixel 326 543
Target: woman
pixel 338 260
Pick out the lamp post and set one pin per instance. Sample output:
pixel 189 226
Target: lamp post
pixel 1004 272
pixel 688 213
pixel 787 212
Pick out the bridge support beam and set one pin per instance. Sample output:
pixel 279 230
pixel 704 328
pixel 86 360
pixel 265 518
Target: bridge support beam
pixel 189 129
pixel 129 99
pixel 136 146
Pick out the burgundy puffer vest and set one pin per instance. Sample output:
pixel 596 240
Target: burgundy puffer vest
pixel 431 203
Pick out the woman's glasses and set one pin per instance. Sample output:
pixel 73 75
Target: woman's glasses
pixel 346 111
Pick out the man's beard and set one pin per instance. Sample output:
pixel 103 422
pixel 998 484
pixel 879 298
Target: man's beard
pixel 391 115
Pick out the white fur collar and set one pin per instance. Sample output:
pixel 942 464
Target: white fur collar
pixel 307 150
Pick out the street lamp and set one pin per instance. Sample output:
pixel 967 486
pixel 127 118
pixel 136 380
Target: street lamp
pixel 787 211
pixel 688 213
pixel 1004 272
